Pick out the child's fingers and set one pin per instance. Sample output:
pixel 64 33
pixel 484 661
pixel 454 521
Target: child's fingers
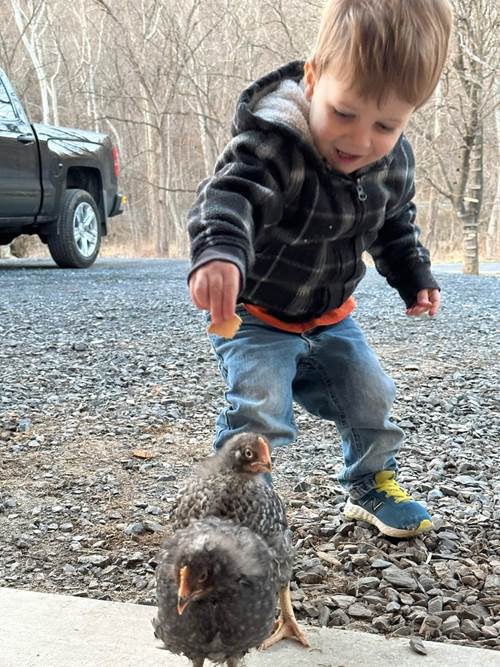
pixel 423 299
pixel 216 294
pixel 229 302
pixel 435 299
pixel 231 290
pixel 198 288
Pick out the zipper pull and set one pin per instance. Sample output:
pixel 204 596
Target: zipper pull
pixel 362 196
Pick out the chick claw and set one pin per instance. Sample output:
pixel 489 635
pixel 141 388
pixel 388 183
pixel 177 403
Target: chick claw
pixel 285 627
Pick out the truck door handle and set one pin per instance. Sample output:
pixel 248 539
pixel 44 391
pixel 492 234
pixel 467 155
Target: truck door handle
pixel 26 138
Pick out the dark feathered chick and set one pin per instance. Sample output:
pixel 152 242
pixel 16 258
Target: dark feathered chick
pixel 217 590
pixel 231 485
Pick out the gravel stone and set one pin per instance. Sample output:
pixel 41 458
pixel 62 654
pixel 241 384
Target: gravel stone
pixel 435 605
pixel 367 583
pixel 324 616
pixel 343 601
pixel 430 627
pixel 450 624
pixel 399 578
pixel 358 610
pixel 137 528
pixel 492 583
pixel 382 623
pixel 380 564
pixel 470 629
pixel 417 645
pixel 489 631
pixel 339 617
pixel 94 559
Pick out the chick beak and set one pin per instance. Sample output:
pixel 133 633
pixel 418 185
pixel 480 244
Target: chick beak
pixel 184 595
pixel 264 462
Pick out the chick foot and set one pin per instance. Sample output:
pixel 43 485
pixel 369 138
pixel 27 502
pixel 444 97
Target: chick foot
pixel 286 625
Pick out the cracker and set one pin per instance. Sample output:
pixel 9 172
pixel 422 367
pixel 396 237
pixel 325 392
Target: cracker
pixel 226 329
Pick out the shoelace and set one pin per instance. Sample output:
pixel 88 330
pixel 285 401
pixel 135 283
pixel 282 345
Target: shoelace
pixel 392 489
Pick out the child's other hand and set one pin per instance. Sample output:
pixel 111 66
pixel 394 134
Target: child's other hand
pixel 428 301
pixel 215 287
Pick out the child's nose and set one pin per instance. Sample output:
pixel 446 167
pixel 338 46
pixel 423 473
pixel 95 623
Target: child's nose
pixel 361 137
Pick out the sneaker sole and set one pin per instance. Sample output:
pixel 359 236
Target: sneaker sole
pixel 352 511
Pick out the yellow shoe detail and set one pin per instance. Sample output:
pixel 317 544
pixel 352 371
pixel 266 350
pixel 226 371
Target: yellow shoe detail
pixel 384 481
pixel 424 526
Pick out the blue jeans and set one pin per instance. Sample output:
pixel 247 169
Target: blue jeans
pixel 331 371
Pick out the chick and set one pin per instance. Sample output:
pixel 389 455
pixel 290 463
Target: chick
pixel 217 590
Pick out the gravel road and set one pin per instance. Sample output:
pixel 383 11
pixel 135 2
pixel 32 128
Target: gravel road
pixel 108 394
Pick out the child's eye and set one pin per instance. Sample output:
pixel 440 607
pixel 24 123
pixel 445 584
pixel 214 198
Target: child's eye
pixel 385 128
pixel 342 114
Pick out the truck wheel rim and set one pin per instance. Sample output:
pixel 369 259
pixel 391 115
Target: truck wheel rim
pixel 85 229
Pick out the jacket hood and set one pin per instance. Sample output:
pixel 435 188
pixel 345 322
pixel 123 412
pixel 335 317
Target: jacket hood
pixel 276 99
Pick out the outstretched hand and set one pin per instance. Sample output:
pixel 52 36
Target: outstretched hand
pixel 215 287
pixel 427 301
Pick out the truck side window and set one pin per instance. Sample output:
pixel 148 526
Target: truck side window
pixel 6 109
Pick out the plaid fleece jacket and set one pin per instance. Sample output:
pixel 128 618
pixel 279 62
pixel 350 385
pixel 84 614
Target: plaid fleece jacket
pixel 295 227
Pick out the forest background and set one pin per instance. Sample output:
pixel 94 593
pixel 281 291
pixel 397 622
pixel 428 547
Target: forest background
pixel 162 78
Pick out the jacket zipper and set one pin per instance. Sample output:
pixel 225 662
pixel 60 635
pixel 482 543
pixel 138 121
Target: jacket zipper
pixel 362 196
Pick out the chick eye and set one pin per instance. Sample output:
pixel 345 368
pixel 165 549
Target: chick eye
pixel 248 453
pixel 203 577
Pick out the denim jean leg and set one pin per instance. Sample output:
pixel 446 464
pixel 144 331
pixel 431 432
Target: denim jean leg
pixel 343 381
pixel 258 366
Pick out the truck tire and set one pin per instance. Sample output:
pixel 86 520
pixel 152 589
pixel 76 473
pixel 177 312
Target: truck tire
pixel 75 243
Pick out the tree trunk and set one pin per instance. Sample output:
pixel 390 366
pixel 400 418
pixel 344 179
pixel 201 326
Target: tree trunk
pixel 493 230
pixel 431 240
pixel 473 199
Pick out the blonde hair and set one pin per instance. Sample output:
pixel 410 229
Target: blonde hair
pixel 384 46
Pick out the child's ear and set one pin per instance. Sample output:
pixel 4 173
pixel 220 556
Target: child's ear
pixel 309 79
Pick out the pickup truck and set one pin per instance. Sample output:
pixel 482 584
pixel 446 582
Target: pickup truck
pixel 57 182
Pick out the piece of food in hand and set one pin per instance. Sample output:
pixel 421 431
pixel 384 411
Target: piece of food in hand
pixel 217 590
pixel 226 329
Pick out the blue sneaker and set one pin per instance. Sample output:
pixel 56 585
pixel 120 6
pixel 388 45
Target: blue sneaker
pixel 390 509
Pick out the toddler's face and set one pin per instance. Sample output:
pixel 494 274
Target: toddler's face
pixel 348 130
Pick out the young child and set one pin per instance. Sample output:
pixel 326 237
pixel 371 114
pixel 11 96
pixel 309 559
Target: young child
pixel 317 172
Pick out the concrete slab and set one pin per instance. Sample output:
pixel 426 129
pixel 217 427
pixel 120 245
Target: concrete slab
pixel 44 630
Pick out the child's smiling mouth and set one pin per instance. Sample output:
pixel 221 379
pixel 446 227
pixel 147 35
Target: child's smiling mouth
pixel 345 157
